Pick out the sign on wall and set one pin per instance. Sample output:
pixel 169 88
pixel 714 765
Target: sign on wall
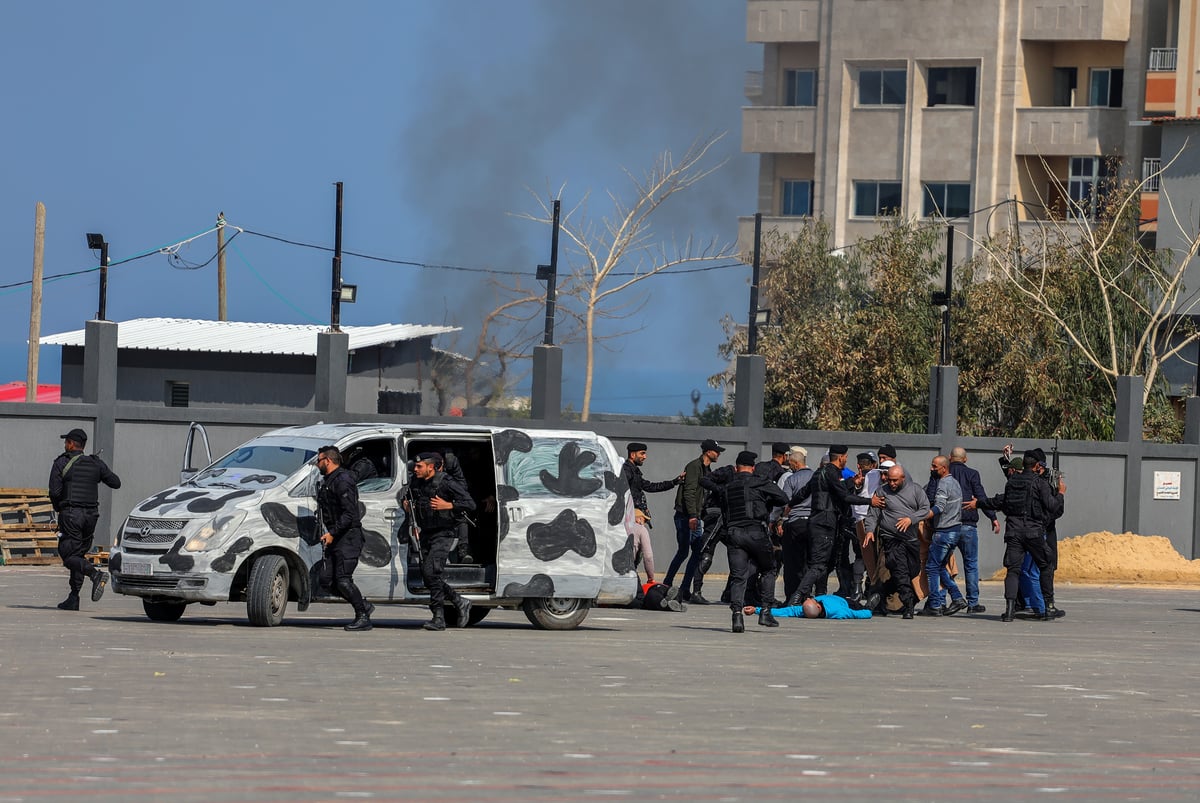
pixel 1166 484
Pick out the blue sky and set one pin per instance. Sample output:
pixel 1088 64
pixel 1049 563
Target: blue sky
pixel 143 120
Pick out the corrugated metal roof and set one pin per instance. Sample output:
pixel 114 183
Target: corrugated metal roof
pixel 241 337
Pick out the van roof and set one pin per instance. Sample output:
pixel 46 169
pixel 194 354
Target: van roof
pixel 333 433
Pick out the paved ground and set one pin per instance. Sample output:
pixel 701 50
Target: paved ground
pixel 104 704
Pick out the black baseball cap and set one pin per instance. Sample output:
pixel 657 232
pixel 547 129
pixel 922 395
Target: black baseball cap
pixel 77 435
pixel 709 445
pixel 746 459
pixel 779 447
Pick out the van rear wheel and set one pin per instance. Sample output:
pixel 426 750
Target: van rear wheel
pixel 267 591
pixel 555 613
pixel 163 611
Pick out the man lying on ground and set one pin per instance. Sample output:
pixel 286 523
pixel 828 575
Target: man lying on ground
pixel 825 606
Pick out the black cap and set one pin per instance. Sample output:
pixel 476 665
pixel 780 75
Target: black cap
pixel 837 449
pixel 1031 457
pixel 635 447
pixel 430 457
pixel 887 449
pixel 77 435
pixel 709 445
pixel 746 459
pixel 779 447
pixel 1041 456
pixel 865 457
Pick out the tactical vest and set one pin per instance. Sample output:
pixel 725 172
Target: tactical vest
pixel 743 504
pixel 1020 500
pixel 423 493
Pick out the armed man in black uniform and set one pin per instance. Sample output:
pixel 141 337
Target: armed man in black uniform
pixel 1028 503
pixel 73 480
pixel 337 501
pixel 831 500
pixel 746 501
pixel 437 502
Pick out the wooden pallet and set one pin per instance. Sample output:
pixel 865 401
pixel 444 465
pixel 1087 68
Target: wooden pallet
pixel 29 551
pixel 27 535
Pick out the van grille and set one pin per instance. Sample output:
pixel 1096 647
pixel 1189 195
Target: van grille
pixel 152 531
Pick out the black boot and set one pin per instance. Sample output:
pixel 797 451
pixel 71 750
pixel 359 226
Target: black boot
pixel 1009 606
pixel 71 603
pixel 464 610
pixel 362 621
pixel 739 624
pixel 766 618
pixel 438 622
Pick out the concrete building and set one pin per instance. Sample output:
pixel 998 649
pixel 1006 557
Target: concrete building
pixel 193 363
pixel 944 107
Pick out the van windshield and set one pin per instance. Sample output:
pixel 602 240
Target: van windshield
pixel 258 464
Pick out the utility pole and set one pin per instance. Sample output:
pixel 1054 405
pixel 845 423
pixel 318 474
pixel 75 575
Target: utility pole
pixel 35 302
pixel 949 295
pixel 752 332
pixel 335 308
pixel 221 312
pixel 94 242
pixel 549 274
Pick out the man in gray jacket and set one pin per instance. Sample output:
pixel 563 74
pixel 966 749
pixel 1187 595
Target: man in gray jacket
pixel 904 505
pixel 945 516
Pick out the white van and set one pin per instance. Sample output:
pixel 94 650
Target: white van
pixel 549 533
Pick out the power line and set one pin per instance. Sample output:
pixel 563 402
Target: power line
pixel 466 268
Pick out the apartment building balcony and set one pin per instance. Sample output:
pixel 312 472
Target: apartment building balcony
pixel 788 226
pixel 1160 80
pixel 782 20
pixel 1076 20
pixel 779 129
pixel 1070 131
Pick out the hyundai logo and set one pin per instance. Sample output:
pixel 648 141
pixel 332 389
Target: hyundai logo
pixel 144 531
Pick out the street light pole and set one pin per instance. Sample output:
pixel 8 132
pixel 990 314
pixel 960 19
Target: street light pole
pixel 752 346
pixel 335 305
pixel 94 242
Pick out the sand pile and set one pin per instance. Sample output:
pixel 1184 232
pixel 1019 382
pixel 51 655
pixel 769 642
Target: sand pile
pixel 1127 557
pixel 1107 556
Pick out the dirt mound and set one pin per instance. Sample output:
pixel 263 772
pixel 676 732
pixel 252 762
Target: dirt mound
pixel 1125 557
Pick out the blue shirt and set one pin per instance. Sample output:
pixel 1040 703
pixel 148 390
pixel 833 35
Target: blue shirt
pixel 835 608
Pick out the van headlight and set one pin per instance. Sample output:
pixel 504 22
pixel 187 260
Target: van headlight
pixel 215 532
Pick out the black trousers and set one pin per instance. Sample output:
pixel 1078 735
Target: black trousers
pixel 795 555
pixel 846 561
pixel 903 559
pixel 343 560
pixel 821 540
pixel 750 555
pixel 436 546
pixel 1018 542
pixel 78 528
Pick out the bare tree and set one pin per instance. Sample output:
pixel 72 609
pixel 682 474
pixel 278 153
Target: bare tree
pixel 626 240
pixel 505 338
pixel 1121 305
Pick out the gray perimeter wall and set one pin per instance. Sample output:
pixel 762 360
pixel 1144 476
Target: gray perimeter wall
pixel 148 442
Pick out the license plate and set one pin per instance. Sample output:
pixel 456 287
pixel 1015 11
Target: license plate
pixel 136 568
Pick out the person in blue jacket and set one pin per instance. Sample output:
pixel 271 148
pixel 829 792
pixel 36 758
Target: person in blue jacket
pixel 825 606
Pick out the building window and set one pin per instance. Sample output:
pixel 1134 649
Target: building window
pixel 951 86
pixel 947 200
pixel 882 87
pixel 877 198
pixel 1085 185
pixel 797 197
pixel 178 394
pixel 801 89
pixel 1106 87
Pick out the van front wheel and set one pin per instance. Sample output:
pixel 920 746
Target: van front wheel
pixel 555 613
pixel 163 611
pixel 267 591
